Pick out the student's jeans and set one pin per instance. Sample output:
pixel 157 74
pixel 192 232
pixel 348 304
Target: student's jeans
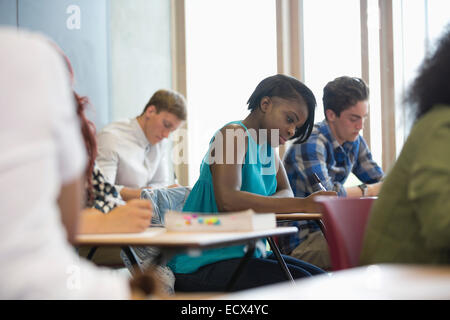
pixel 257 272
pixel 162 200
pixel 165 199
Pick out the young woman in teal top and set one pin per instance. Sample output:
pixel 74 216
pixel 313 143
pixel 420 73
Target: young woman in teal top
pixel 241 170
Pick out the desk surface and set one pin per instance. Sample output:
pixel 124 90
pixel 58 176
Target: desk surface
pixel 161 238
pixel 298 216
pixel 383 281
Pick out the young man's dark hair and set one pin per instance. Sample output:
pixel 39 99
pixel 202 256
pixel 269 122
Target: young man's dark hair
pixel 344 92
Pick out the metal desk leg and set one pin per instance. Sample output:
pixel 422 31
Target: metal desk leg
pixel 242 263
pixel 322 226
pixel 280 259
pixel 91 253
pixel 133 258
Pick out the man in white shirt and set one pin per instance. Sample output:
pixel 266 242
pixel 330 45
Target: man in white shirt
pixel 133 153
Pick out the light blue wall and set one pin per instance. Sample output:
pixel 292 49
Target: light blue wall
pixel 87 46
pixel 121 54
pixel 8 12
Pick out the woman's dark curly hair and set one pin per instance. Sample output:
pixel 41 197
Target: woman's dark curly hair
pixel 432 85
pixel 288 88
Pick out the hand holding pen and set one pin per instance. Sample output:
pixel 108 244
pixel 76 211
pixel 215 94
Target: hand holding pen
pixel 322 192
pixel 317 181
pixel 314 207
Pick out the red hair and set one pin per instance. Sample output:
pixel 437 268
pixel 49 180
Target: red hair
pixel 88 133
pixel 87 127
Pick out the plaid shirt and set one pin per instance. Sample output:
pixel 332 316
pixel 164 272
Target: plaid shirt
pixel 332 163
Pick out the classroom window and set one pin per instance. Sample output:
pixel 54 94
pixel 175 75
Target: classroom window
pixel 332 48
pixel 373 34
pixel 230 47
pixel 438 16
pixel 332 44
pixel 419 23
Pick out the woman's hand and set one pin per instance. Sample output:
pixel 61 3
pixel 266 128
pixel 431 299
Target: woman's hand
pixel 130 193
pixel 134 216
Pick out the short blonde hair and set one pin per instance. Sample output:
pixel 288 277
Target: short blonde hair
pixel 169 101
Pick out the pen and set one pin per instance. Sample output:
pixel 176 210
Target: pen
pixel 157 225
pixel 317 180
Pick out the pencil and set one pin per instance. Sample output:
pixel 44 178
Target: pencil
pixel 317 180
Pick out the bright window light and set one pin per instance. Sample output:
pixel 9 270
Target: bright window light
pixel 332 42
pixel 230 47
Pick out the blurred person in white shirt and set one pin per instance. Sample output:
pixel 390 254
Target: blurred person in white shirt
pixel 41 172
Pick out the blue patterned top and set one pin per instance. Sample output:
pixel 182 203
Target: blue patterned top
pixel 332 162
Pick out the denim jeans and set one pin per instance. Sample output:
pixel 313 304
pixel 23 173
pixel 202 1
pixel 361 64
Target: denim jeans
pixel 163 200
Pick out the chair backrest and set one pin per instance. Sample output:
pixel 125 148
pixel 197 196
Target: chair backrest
pixel 345 221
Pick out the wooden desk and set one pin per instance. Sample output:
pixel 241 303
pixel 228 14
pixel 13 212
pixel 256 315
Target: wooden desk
pixel 380 281
pixel 159 237
pixel 298 216
pixel 286 217
pixel 172 243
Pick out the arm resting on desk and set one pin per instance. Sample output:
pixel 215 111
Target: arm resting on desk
pixel 134 216
pixel 227 180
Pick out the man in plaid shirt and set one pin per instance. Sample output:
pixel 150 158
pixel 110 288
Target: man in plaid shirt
pixel 334 150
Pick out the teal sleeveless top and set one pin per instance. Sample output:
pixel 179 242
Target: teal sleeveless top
pixel 258 176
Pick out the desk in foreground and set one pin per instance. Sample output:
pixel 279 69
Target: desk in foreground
pixel 283 218
pixel 172 243
pixel 298 216
pixel 383 281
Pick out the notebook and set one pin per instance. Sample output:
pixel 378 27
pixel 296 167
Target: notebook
pixel 246 220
